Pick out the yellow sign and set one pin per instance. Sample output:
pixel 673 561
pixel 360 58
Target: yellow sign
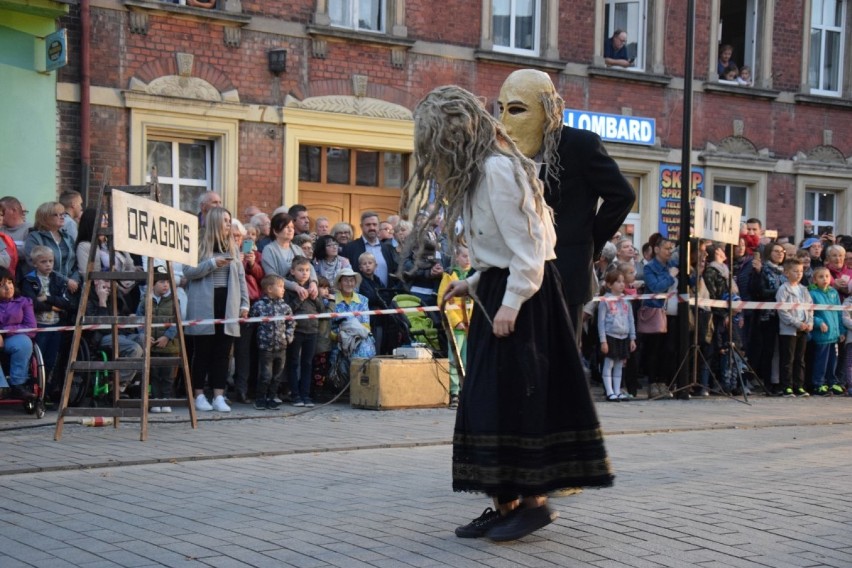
pixel 148 228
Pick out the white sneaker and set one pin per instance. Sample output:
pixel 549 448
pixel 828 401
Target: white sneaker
pixel 155 410
pixel 219 404
pixel 166 409
pixel 202 404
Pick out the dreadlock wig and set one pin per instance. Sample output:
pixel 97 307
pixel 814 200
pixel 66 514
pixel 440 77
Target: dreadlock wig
pixel 453 137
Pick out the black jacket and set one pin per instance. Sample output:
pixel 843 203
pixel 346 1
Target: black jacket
pixel 357 247
pixel 588 174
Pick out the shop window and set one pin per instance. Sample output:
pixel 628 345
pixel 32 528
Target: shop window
pixel 820 210
pixel 515 25
pixel 361 15
pixel 629 16
pixel 736 195
pixel 826 46
pixel 184 171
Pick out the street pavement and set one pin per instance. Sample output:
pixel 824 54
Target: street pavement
pixel 710 483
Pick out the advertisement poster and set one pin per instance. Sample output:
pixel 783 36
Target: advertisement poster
pixel 670 187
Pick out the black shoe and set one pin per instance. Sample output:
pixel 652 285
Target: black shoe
pixel 271 404
pixel 524 521
pixel 21 392
pixel 260 403
pixel 479 526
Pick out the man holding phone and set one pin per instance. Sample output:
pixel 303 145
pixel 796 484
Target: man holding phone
pixel 615 50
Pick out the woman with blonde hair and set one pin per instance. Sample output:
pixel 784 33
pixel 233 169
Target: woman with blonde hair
pixel 48 231
pixel 526 425
pixel 216 289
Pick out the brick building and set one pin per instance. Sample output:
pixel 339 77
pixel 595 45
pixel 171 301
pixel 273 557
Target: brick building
pixel 310 100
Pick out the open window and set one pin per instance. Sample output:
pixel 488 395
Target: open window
pixel 516 26
pixel 629 16
pixel 738 29
pixel 361 15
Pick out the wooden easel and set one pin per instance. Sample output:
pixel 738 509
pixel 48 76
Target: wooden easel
pixel 121 408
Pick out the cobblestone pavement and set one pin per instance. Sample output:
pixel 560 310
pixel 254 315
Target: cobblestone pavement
pixel 708 483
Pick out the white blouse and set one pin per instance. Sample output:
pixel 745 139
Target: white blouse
pixel 503 230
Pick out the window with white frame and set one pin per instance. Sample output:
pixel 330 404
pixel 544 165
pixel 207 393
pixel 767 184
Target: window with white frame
pixel 516 26
pixel 827 39
pixel 361 15
pixel 820 210
pixel 184 170
pixel 629 16
pixel 731 194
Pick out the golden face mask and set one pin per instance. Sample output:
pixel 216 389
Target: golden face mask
pixel 521 109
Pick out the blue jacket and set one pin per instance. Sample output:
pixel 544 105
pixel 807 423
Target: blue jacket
pixel 831 319
pixel 657 281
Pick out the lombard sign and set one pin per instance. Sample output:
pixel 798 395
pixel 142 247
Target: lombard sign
pixel 613 127
pixel 148 228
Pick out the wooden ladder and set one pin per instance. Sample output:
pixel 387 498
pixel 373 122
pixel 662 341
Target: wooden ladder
pixel 123 408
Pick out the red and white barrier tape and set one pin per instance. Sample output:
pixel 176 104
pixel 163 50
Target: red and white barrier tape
pixel 737 305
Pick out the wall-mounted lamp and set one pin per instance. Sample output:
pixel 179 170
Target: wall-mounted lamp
pixel 277 61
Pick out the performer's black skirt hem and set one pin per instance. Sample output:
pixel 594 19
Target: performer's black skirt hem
pixel 526 423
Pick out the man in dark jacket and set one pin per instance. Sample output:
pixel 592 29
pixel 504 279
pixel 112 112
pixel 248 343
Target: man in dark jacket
pixel 577 173
pixel 386 261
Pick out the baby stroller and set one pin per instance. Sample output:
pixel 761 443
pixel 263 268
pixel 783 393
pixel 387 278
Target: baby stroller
pixel 421 326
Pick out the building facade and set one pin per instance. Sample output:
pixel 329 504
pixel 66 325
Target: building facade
pixel 310 101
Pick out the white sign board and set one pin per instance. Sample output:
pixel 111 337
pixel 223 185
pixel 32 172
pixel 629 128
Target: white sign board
pixel 717 221
pixel 148 228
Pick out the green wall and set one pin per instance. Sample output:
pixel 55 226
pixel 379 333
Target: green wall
pixel 28 121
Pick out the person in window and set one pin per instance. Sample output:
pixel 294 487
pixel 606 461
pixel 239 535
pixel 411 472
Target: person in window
pixel 726 52
pixel 615 50
pixel 732 73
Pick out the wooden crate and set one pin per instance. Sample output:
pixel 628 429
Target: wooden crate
pixel 386 384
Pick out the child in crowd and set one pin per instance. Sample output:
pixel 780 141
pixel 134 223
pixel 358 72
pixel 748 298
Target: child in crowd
pixel 617 333
pixel 52 304
pixel 163 340
pixel 458 322
pixel 825 335
pixel 324 343
pixel 744 78
pixel 272 340
pixel 847 323
pixel 369 288
pixel 301 350
pixel 807 269
pixel 794 324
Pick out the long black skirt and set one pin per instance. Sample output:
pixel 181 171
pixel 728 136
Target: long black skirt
pixel 526 423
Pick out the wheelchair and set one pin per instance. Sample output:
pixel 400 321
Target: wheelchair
pixel 36 379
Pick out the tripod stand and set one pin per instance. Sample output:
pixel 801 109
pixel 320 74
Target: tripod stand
pixel 735 358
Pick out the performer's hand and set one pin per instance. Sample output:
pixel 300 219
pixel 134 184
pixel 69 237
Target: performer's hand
pixel 604 348
pixel 504 321
pixel 455 289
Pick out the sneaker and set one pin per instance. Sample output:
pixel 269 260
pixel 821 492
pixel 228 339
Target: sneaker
pixel 202 404
pixel 155 410
pixel 260 403
pixel 278 400
pixel 271 404
pixel 788 393
pixel 479 526
pixel 802 392
pixel 308 403
pixel 624 397
pixel 454 401
pixel 703 392
pixel 653 390
pixel 524 521
pixel 664 390
pixel 298 403
pixel 219 404
pixel 837 389
pixel 823 391
pixel 166 409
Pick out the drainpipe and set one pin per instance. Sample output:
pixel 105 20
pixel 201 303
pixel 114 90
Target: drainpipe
pixel 85 118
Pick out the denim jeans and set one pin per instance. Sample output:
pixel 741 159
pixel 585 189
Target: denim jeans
pixel 301 356
pixel 20 350
pixel 824 365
